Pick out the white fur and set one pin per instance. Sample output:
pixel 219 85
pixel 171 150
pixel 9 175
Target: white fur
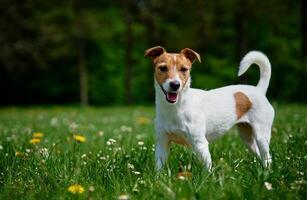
pixel 264 65
pixel 198 117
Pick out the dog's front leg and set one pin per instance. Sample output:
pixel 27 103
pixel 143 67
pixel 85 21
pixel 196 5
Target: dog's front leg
pixel 202 148
pixel 161 152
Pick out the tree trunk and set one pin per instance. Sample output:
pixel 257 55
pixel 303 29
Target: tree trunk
pixel 304 43
pixel 304 29
pixel 152 40
pixel 83 73
pixel 128 58
pixel 83 79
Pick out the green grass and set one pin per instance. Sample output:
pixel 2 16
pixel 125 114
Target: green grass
pixel 237 174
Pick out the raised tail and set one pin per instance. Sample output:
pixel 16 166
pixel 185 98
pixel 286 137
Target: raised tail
pixel 256 57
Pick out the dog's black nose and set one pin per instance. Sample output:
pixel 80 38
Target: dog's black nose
pixel 174 85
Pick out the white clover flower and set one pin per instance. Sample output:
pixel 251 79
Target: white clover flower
pixel 112 140
pixel 44 152
pixel 73 126
pixel 268 185
pixel 123 197
pixel 118 149
pixel 181 178
pixel 1 147
pixel 125 128
pixel 91 188
pixel 54 122
pixel 100 133
pixel 136 172
pixel 130 166
pixel 140 143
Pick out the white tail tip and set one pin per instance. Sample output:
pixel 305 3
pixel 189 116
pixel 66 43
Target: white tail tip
pixel 256 57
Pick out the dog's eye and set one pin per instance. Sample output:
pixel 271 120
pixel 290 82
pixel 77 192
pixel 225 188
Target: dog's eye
pixel 184 69
pixel 163 68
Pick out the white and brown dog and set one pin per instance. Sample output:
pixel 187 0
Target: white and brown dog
pixel 195 117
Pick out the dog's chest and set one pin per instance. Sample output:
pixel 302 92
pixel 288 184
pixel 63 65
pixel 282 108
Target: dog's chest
pixel 175 127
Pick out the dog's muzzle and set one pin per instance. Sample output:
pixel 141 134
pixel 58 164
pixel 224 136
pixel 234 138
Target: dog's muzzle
pixel 172 95
pixel 174 85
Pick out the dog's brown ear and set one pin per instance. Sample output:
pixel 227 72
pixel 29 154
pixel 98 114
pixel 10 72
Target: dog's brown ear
pixel 154 52
pixel 190 54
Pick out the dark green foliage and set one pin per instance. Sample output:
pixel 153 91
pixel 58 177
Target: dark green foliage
pixel 40 42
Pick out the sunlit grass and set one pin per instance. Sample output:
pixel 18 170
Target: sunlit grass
pixel 108 153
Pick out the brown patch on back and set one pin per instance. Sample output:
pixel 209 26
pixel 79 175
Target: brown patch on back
pixel 243 104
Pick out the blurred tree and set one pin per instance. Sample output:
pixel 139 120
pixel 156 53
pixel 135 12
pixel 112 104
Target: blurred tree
pixel 80 36
pixel 240 26
pixel 128 18
pixel 304 41
pixel 304 28
pixel 240 31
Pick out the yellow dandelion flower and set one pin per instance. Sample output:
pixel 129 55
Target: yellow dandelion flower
pixel 79 138
pixel 143 120
pixel 76 189
pixel 18 153
pixel 35 141
pixel 38 135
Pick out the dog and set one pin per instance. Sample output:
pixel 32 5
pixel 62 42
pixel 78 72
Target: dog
pixel 195 117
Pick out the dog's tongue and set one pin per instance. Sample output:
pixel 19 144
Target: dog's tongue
pixel 171 96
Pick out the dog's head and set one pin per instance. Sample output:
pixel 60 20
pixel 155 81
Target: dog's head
pixel 172 70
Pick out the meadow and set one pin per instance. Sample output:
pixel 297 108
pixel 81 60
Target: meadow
pixel 108 153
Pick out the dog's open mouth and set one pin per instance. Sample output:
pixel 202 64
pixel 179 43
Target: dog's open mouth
pixel 171 97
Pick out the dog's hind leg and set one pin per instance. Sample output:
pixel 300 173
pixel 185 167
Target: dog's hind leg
pixel 248 137
pixel 261 123
pixel 263 137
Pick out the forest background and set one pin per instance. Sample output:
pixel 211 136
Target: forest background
pixel 92 52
